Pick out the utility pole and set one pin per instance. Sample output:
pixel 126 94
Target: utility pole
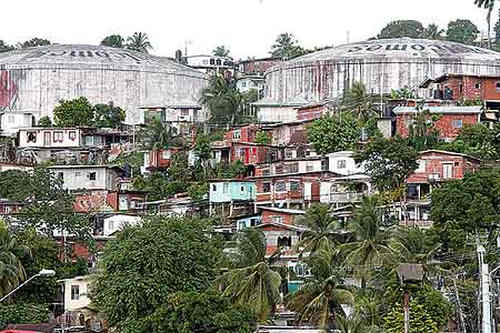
pixel 485 291
pixel 460 315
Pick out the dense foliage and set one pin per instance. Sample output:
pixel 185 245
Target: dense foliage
pixel 23 313
pixel 146 264
pixel 76 112
pixel 462 31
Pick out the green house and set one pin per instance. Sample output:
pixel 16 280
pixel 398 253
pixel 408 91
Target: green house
pixel 231 191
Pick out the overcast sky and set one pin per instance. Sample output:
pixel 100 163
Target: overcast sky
pixel 247 27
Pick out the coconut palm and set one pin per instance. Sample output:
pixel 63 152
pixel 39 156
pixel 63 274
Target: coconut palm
pixel 11 269
pixel 139 42
pixel 358 101
pixel 321 227
pixel 223 100
pixel 158 135
pixel 319 299
pixel 253 282
pixel 370 248
pixel 488 5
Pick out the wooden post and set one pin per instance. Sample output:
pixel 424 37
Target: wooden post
pixel 406 306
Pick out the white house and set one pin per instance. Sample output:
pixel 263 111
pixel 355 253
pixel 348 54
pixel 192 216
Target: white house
pixel 343 163
pixel 250 82
pixel 12 121
pixel 88 177
pixel 117 222
pixel 76 292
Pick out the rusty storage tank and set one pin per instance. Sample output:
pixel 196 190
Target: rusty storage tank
pixel 35 79
pixel 381 65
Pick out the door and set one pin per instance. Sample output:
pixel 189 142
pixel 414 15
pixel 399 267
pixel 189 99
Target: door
pixel 307 191
pixel 47 139
pixel 447 171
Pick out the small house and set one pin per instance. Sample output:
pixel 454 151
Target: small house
pixel 88 177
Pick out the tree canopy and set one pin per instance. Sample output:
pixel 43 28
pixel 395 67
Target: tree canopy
pixel 147 264
pixel 402 28
pixel 115 40
pixel 462 31
pixel 286 46
pixel 108 115
pixel 221 51
pixel 75 112
pixel 34 42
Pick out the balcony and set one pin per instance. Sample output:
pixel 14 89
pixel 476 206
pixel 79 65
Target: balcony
pixel 345 196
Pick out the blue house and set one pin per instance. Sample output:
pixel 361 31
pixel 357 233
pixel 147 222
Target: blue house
pixel 229 190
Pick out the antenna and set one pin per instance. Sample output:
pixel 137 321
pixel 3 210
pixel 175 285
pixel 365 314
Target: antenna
pixel 186 43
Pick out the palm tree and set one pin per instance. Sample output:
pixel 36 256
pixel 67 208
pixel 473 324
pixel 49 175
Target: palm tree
pixel 359 102
pixel 11 269
pixel 370 248
pixel 433 32
pixel 139 42
pixel 158 135
pixel 489 5
pixel 319 299
pixel 253 282
pixel 322 229
pixel 223 100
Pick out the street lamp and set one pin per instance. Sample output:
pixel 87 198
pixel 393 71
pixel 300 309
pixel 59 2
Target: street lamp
pixel 43 272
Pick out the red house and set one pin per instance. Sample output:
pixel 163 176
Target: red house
pixel 451 119
pixel 159 159
pixel 464 87
pixel 242 134
pixel 280 215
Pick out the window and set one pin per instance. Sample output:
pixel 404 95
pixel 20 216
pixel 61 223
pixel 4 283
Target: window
pixel 421 166
pixel 266 172
pixel 341 164
pixel 447 171
pixel 225 188
pixel 309 167
pixel 293 168
pixel 214 188
pixel 243 84
pixel 477 85
pixel 92 176
pixel 334 188
pixel 165 154
pixel 294 186
pixel 325 164
pixel 280 187
pixel 236 134
pixel 285 241
pixel 460 88
pixel 288 154
pixel 212 61
pixel 72 135
pixel 185 112
pixel 456 123
pixel 242 188
pixel 75 292
pixel 60 175
pixel 11 119
pixel 266 187
pixel 31 136
pixel 111 225
pixel 277 219
pixel 58 136
pixel 278 169
pixel 498 86
pixel 77 174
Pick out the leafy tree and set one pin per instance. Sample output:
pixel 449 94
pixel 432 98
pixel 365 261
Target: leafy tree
pixel 158 185
pixel 15 185
pixel 253 281
pixel 148 264
pixel 12 272
pixel 221 51
pixel 75 112
pixel 476 140
pixel 49 206
pixel 263 137
pixel 322 229
pixel 43 254
pixel 34 42
pixel 402 28
pixel 45 122
pixel 432 31
pixel 420 320
pixel 319 299
pixel 115 40
pixel 139 42
pixel 334 133
pixel 370 247
pixel 388 162
pixel 286 47
pixel 108 115
pixel 202 312
pixel 462 31
pixel 5 47
pixel 466 208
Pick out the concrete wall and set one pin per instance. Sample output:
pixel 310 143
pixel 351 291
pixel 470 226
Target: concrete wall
pixel 47 138
pixel 79 178
pixel 232 191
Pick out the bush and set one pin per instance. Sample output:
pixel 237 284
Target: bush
pixel 23 314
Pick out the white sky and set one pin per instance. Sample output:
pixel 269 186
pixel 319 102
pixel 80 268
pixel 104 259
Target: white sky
pixel 247 27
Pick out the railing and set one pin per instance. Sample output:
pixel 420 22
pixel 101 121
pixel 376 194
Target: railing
pixel 345 196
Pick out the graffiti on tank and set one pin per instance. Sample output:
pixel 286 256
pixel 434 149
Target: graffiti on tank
pixel 118 56
pixel 8 91
pixel 437 48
